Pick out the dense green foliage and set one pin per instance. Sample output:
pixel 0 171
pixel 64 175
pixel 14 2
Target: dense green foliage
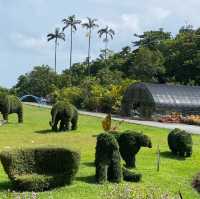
pixel 10 104
pixel 180 142
pixel 40 82
pixel 107 159
pixel 40 168
pixel 65 113
pixel 156 56
pixel 130 143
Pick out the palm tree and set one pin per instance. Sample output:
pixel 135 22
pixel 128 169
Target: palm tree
pixel 91 24
pixel 56 35
pixel 71 22
pixel 108 32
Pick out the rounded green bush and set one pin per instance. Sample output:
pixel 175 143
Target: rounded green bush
pixel 180 142
pixel 66 113
pixel 11 104
pixel 39 169
pixel 130 143
pixel 107 159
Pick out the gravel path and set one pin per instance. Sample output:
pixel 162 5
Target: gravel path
pixel 190 128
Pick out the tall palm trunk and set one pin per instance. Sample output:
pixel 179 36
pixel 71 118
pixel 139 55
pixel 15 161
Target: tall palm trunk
pixel 89 47
pixel 71 49
pixel 55 53
pixel 106 47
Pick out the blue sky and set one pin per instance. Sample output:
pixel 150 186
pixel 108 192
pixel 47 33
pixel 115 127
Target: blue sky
pixel 25 24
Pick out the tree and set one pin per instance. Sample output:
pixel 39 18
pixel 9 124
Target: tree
pixel 108 32
pixel 91 24
pixel 148 65
pixel 41 81
pixel 151 39
pixel 56 35
pixel 72 23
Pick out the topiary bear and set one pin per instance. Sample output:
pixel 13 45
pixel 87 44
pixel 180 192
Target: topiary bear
pixel 180 142
pixel 130 143
pixel 66 113
pixel 107 159
pixel 11 104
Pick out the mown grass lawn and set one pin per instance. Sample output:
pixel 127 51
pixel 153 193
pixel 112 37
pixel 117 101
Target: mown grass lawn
pixel 175 174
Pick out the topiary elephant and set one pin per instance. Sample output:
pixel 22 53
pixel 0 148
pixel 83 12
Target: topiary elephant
pixel 65 113
pixel 130 143
pixel 11 104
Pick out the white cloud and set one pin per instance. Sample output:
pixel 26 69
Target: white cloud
pixel 159 13
pixel 130 22
pixel 28 42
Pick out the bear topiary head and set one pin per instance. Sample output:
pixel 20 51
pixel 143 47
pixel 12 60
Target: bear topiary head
pixel 145 141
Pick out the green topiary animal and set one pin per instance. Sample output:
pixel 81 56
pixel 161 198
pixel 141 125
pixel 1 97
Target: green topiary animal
pixel 130 143
pixel 180 142
pixel 11 104
pixel 66 113
pixel 107 159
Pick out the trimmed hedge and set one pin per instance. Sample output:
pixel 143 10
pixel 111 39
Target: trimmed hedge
pixel 130 143
pixel 39 169
pixel 131 176
pixel 107 159
pixel 180 142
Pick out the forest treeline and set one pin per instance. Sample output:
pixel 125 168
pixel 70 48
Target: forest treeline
pixel 155 56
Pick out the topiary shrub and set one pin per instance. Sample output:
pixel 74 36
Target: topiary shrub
pixel 180 142
pixel 196 182
pixel 11 104
pixel 131 176
pixel 39 169
pixel 130 143
pixel 66 113
pixel 107 159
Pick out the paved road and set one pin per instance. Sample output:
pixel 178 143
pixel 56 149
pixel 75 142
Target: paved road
pixel 190 128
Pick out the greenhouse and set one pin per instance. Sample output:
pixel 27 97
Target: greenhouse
pixel 146 99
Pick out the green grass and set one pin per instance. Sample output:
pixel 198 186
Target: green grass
pixel 174 173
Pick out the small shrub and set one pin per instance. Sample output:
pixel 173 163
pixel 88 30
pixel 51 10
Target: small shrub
pixel 39 169
pixel 131 176
pixel 130 143
pixel 107 159
pixel 180 142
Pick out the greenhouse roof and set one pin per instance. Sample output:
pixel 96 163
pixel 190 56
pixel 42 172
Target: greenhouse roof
pixel 173 95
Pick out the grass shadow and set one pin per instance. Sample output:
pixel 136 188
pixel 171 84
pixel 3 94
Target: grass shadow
pixel 46 131
pixel 5 185
pixel 168 154
pixel 89 164
pixel 87 179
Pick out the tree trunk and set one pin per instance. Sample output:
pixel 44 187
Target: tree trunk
pixel 89 53
pixel 106 47
pixel 71 49
pixel 55 53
